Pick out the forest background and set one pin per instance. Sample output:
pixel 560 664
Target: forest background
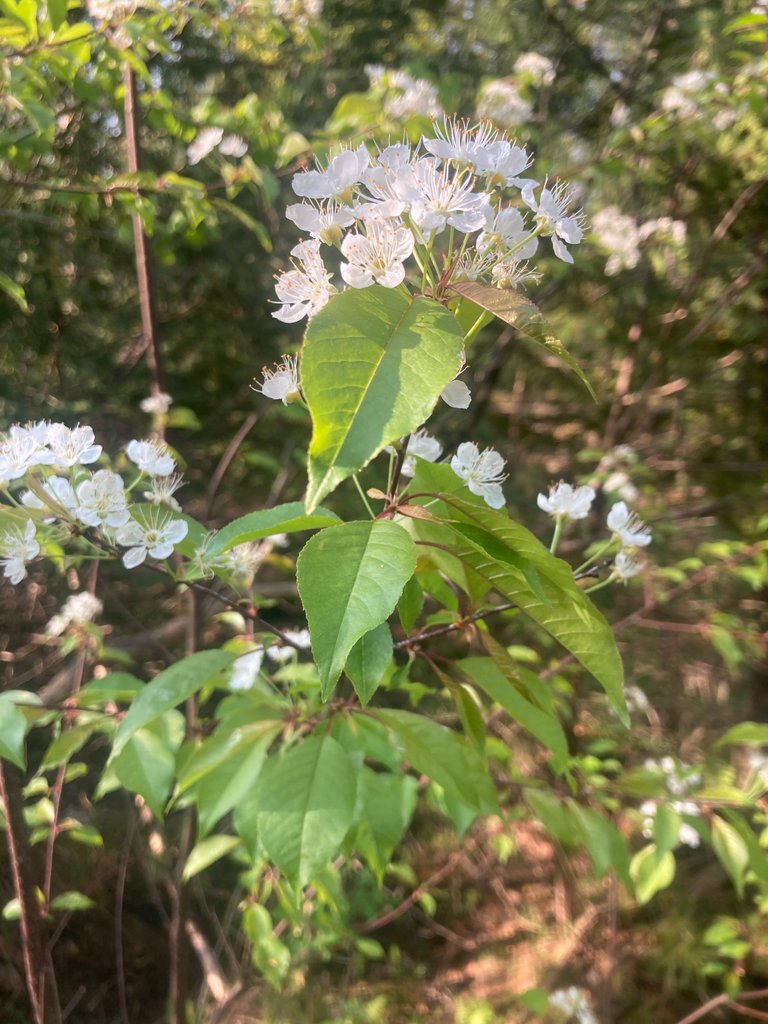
pixel 656 112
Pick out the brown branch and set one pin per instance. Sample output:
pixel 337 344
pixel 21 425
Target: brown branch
pixel 142 245
pixel 224 462
pixel 725 1000
pixel 25 888
pixel 398 911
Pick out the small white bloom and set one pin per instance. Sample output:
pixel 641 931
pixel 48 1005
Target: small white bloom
pixel 423 446
pixel 77 610
pixel 503 162
pixel 281 383
pixel 446 199
pixel 203 144
pixel 626 566
pixel 337 182
pixel 506 232
pixel 461 142
pixel 300 640
pixel 511 274
pixel 154 536
pixel 162 490
pixel 536 67
pixel 617 233
pixel 567 501
pixel 59 497
pixel 628 527
pixel 72 447
pixel 158 404
pixel 483 472
pixel 23 448
pixel 411 97
pixel 17 547
pixel 553 219
pixel 376 257
pixel 101 500
pixel 636 700
pixel 573 1002
pixel 305 289
pixel 323 222
pixel 245 669
pixel 243 560
pixel 501 101
pixel 151 457
pixel 233 145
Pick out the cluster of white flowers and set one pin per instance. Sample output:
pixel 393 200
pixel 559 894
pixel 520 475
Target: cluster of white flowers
pixel 403 95
pixel 613 467
pixel 537 68
pixel 379 210
pixel 500 101
pixel 621 236
pixel 298 13
pixel 110 10
pixel 156 405
pixel 679 779
pixel 208 139
pixel 51 460
pixel 574 1003
pixel 566 502
pixel 76 611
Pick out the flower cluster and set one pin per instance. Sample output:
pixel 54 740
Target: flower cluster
pixel 621 236
pixel 45 472
pixel 444 205
pixel 77 610
pixel 574 1003
pixel 679 779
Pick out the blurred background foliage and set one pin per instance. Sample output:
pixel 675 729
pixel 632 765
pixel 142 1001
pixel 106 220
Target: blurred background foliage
pixel 656 112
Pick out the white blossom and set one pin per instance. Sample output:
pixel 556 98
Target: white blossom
pixel 305 289
pixel 483 472
pixel 461 142
pixel 553 219
pixel 155 536
pixel 245 669
pixel 233 145
pixel 77 610
pixel 162 490
pixel 506 232
pixel 323 222
pixel 203 144
pixel 281 383
pixel 618 234
pixel 243 560
pixel 625 566
pixel 299 639
pixel 157 404
pixel 337 182
pixel 536 67
pixel 23 448
pixel 503 162
pixel 17 547
pixel 101 500
pixel 574 1003
pixel 446 199
pixel 567 502
pixel 59 497
pixel 500 100
pixel 420 445
pixel 627 527
pixel 72 447
pixel 152 457
pixel 377 256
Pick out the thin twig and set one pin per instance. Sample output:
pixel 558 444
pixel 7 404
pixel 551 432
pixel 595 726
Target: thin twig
pixel 224 462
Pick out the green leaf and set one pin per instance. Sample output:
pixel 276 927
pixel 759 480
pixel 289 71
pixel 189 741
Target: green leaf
pixel 69 741
pixel 207 852
pixel 289 518
pixel 603 841
pixel 731 851
pixel 72 900
pixel 57 12
pixel 519 312
pixel 445 756
pixel 372 368
pixel 168 689
pixel 565 612
pixel 538 723
pixel 553 815
pixel 749 733
pixel 350 577
pixel 368 661
pixel 306 802
pixel 666 829
pixel 386 803
pixel 14 292
pixel 231 783
pixel 13 726
pixel 410 604
pixel 651 873
pixel 146 765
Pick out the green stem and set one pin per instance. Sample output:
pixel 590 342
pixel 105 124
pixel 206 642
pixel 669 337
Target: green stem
pixel 593 558
pixel 559 522
pixel 361 492
pixel 477 326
